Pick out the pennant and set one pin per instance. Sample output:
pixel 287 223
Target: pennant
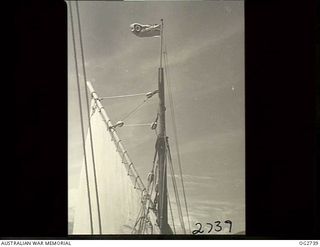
pixel 142 31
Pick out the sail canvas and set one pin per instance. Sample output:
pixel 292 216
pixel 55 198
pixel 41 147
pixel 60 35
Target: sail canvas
pixel 119 202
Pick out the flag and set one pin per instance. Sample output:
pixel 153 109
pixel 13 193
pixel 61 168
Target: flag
pixel 146 30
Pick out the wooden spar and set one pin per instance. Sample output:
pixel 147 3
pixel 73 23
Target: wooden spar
pixel 129 165
pixel 161 146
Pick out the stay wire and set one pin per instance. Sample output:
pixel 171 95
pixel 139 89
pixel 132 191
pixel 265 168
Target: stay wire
pixel 172 219
pixel 175 188
pixel 88 113
pixel 81 115
pixel 123 96
pixel 175 132
pixel 136 125
pixel 134 110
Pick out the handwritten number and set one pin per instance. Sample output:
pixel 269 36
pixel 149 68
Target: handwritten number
pixel 229 222
pixel 218 225
pixel 194 232
pixel 210 227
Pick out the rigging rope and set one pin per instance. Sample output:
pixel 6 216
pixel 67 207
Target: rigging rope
pixel 175 131
pixel 148 95
pixel 137 220
pixel 134 125
pixel 81 117
pixel 175 188
pixel 172 219
pixel 88 113
pixel 123 96
pixel 134 110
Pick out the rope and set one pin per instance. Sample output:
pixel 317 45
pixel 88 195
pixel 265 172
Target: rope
pixel 134 110
pixel 175 134
pixel 137 220
pixel 81 117
pixel 123 96
pixel 172 219
pixel 90 128
pixel 148 96
pixel 175 188
pixel 134 125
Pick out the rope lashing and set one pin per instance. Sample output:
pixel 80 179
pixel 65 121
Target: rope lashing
pixel 123 154
pixel 135 183
pixel 129 167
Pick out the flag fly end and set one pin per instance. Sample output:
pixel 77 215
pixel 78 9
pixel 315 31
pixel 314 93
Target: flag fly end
pixel 142 30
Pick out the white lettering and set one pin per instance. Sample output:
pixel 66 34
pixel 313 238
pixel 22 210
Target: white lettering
pixel 37 242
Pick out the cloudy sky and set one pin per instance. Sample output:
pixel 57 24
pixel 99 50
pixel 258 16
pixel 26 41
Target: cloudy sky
pixel 205 47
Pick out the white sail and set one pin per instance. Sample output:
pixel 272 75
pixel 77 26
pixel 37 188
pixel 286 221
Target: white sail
pixel 119 201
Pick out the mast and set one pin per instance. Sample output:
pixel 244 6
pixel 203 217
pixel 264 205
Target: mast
pixel 161 146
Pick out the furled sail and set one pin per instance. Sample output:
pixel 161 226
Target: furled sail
pixel 116 204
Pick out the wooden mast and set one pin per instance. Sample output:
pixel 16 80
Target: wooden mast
pixel 161 146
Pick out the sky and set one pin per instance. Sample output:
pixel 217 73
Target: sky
pixel 205 49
